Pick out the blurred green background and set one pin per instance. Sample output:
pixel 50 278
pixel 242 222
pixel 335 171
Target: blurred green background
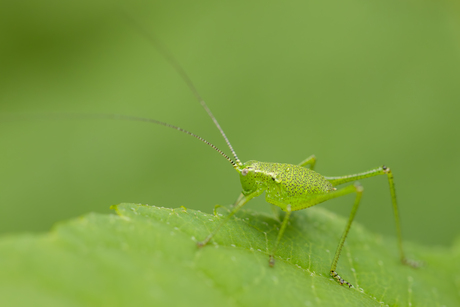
pixel 357 83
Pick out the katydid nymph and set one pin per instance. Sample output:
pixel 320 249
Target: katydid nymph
pixel 288 186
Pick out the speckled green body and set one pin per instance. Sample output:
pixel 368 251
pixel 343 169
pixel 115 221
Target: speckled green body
pixel 284 184
pixel 290 187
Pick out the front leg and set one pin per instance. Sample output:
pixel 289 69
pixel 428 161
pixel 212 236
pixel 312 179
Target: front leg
pixel 240 202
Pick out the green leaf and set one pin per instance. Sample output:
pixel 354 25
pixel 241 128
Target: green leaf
pixel 147 256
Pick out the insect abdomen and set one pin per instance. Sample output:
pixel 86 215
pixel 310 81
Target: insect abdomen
pixel 297 180
pixel 289 184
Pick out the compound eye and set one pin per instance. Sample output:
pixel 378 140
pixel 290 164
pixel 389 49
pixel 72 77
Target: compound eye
pixel 244 172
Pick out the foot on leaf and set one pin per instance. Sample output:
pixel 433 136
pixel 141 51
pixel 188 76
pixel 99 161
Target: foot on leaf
pixel 339 279
pixel 271 261
pixel 412 263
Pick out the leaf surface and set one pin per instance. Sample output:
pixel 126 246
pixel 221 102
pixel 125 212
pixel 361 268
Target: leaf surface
pixel 147 256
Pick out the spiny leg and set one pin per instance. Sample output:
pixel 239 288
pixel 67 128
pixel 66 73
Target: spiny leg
pixel 359 193
pixel 375 172
pixel 271 261
pixel 241 201
pixel 311 160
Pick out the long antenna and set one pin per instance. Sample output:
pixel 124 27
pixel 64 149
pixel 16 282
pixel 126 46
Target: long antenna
pixel 178 68
pixel 6 117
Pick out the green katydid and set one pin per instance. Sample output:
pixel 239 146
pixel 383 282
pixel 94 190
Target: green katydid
pixel 290 187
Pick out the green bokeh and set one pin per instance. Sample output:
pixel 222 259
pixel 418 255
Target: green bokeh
pixel 357 83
